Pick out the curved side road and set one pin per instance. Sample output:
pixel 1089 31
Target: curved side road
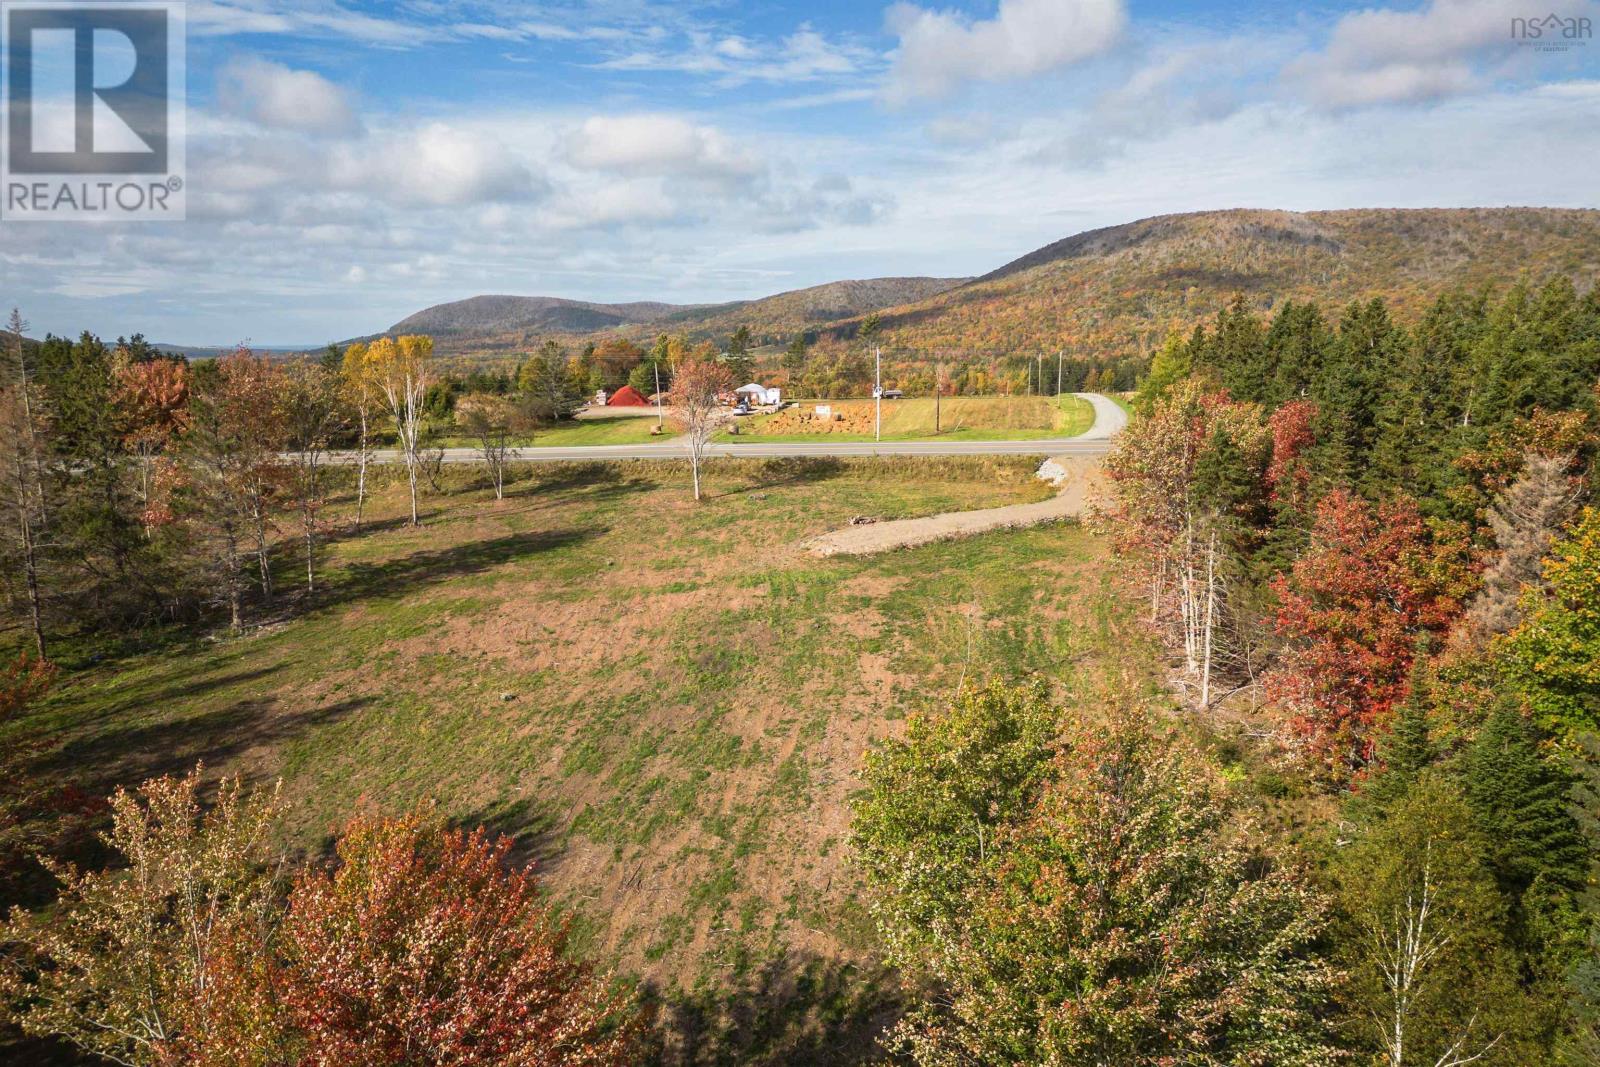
pixel 1109 420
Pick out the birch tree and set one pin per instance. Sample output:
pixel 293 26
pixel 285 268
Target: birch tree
pixel 313 410
pixel 1432 982
pixel 696 387
pixel 22 489
pixel 400 369
pixel 362 394
pixel 1190 477
pixel 487 419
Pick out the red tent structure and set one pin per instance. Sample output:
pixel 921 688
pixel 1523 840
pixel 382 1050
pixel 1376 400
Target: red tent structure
pixel 626 397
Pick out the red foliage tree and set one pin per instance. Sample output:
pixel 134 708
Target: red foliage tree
pixel 1354 605
pixel 1291 436
pixel 424 947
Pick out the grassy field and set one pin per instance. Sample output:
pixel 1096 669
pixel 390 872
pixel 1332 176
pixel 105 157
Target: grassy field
pixel 1009 418
pixel 666 703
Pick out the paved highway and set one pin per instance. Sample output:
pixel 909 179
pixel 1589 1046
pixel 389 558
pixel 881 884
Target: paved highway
pixel 1109 420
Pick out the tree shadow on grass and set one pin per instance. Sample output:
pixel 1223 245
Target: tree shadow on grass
pixel 396 577
pixel 796 1010
pixel 531 828
pixel 786 471
pixel 605 477
pixel 127 755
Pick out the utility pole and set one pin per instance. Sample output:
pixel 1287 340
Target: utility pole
pixel 1039 362
pixel 660 418
pixel 1058 372
pixel 938 391
pixel 877 390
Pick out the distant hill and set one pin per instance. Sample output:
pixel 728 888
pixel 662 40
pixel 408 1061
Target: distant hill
pixel 491 316
pixel 1120 290
pixel 778 318
pixel 1108 292
pixel 490 324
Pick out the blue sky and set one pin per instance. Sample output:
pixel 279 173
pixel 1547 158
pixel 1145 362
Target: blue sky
pixel 350 163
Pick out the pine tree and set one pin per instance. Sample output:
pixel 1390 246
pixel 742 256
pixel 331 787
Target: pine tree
pixel 1519 802
pixel 1407 750
pixel 1298 343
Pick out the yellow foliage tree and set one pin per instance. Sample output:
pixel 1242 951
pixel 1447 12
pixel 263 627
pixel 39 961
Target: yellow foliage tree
pixel 400 369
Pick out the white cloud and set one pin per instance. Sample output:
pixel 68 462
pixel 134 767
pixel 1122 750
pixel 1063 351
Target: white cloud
pixel 942 50
pixel 658 144
pixel 436 165
pixel 1449 47
pixel 277 97
pixel 301 17
pixel 802 56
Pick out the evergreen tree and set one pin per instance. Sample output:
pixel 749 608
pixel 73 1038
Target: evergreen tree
pixel 794 357
pixel 1519 802
pixel 1347 388
pixel 740 363
pixel 1240 354
pixel 1407 750
pixel 1298 343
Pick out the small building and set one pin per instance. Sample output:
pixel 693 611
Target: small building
pixel 759 394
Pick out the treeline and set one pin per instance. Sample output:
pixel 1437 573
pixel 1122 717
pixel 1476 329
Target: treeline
pixel 1383 541
pixel 834 368
pixel 137 488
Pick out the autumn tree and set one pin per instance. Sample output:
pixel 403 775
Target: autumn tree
pixel 487 419
pixel 361 392
pixel 231 472
pixel 1372 581
pixel 696 388
pixel 121 967
pixel 401 369
pixel 1190 502
pixel 1095 909
pixel 312 405
pixel 424 945
pixel 152 397
pixel 22 482
pixel 1554 654
pixel 1525 519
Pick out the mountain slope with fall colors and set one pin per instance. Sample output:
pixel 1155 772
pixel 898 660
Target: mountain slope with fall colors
pixel 1123 288
pixel 1105 292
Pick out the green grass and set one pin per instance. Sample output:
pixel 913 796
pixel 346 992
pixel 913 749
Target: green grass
pixel 690 695
pixel 623 430
pixel 1021 418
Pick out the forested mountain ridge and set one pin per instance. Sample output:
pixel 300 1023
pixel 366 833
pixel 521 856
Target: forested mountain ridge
pixel 1106 293
pixel 1124 288
pixel 504 324
pixel 482 316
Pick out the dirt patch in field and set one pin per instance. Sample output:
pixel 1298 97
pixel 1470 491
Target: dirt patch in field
pixel 1082 478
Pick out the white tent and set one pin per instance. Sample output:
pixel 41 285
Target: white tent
pixel 758 394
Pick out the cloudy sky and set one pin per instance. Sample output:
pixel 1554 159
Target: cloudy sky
pixel 350 163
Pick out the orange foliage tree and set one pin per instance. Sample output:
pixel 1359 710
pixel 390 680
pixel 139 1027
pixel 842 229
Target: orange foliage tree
pixel 424 946
pixel 1371 583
